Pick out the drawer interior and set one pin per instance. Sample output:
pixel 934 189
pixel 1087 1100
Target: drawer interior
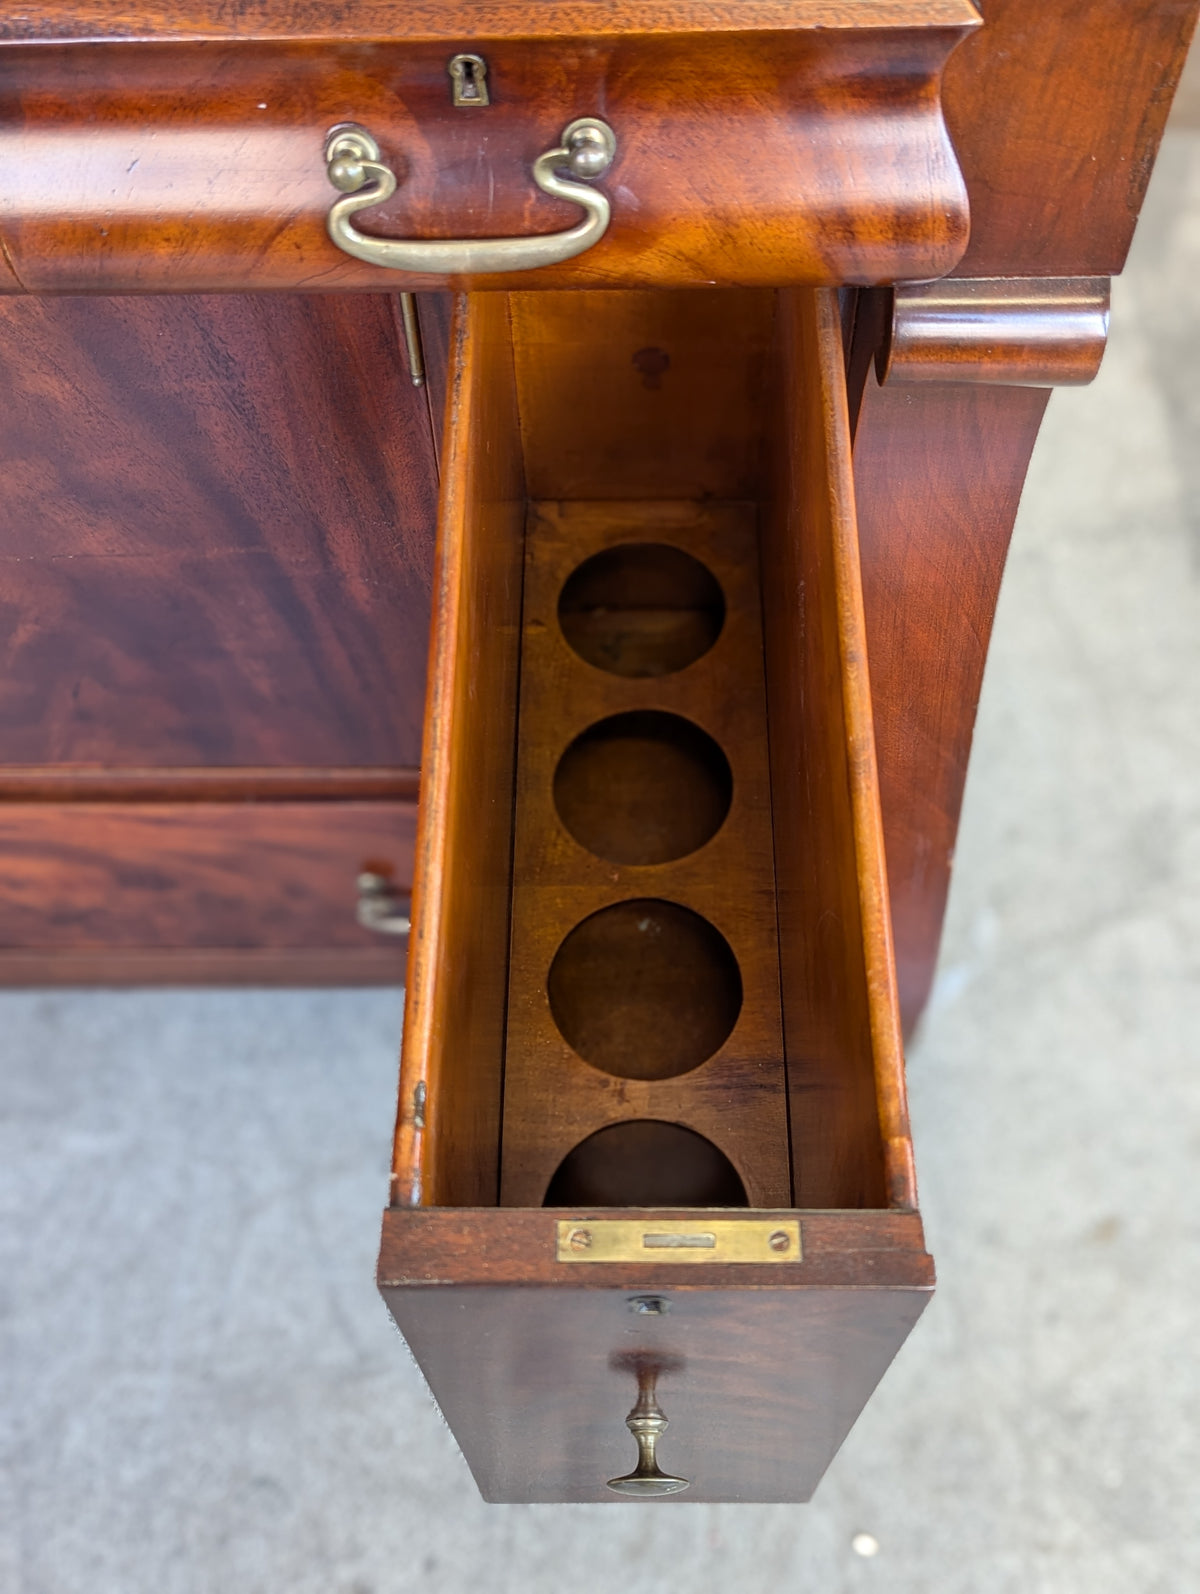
pixel 650 971
pixel 644 1061
pixel 651 929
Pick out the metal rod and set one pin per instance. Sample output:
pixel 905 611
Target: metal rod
pixel 412 339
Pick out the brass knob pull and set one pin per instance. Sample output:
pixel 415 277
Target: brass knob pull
pixel 381 907
pixel 647 1425
pixel 354 167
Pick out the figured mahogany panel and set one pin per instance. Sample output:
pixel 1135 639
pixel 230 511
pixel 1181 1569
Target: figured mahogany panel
pixel 938 472
pixel 90 876
pixel 1056 112
pixel 448 1127
pixel 217 538
pixel 762 1371
pixel 749 158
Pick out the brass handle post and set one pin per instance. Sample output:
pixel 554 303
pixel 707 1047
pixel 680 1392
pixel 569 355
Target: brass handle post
pixel 381 907
pixel 647 1424
pixel 354 167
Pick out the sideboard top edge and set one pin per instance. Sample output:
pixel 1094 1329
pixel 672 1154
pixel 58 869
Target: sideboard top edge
pixel 428 21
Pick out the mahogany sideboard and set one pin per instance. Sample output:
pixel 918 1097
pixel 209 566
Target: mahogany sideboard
pixel 619 587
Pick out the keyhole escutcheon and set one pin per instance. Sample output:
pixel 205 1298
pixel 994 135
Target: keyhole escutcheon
pixel 468 80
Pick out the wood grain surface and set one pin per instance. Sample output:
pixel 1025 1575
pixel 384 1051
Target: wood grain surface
pixel 448 1130
pixel 643 395
pixel 849 1120
pixel 296 966
pixel 1012 331
pixel 95 783
pixel 460 20
pixel 734 1094
pixel 938 472
pixel 741 158
pixel 763 1369
pixel 217 539
pixel 1056 112
pixel 106 876
pixel 535 1363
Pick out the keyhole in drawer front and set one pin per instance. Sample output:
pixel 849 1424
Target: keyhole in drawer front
pixel 643 788
pixel 645 989
pixel 645 1163
pixel 641 609
pixel 468 80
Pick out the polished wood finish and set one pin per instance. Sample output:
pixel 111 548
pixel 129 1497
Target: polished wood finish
pixel 448 1128
pixel 1015 331
pixel 536 1381
pixel 845 1059
pixel 762 144
pixel 733 1093
pixel 80 783
pixel 421 1247
pixel 1056 112
pixel 743 157
pixel 218 532
pixel 151 875
pixel 938 472
pixel 637 395
pixel 536 1366
pixel 301 967
pixel 457 21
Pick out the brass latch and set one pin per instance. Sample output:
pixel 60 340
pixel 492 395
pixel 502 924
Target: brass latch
pixel 679 1240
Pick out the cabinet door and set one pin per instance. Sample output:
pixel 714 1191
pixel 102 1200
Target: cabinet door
pixel 216 533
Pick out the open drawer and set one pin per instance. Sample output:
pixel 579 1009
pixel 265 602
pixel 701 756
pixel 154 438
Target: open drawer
pixel 652 1160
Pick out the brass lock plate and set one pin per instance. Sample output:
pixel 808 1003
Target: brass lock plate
pixel 682 1240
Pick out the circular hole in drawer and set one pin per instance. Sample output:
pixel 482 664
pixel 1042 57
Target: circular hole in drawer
pixel 645 989
pixel 641 608
pixel 645 1163
pixel 644 787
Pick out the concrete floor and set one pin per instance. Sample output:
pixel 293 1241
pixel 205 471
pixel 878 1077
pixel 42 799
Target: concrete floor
pixel 202 1390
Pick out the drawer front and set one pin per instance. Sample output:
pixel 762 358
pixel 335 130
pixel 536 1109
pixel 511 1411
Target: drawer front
pixel 759 1379
pixel 157 889
pixel 747 157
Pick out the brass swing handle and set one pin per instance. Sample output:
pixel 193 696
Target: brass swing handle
pixel 353 165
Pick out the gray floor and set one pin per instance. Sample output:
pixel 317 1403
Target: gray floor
pixel 202 1391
